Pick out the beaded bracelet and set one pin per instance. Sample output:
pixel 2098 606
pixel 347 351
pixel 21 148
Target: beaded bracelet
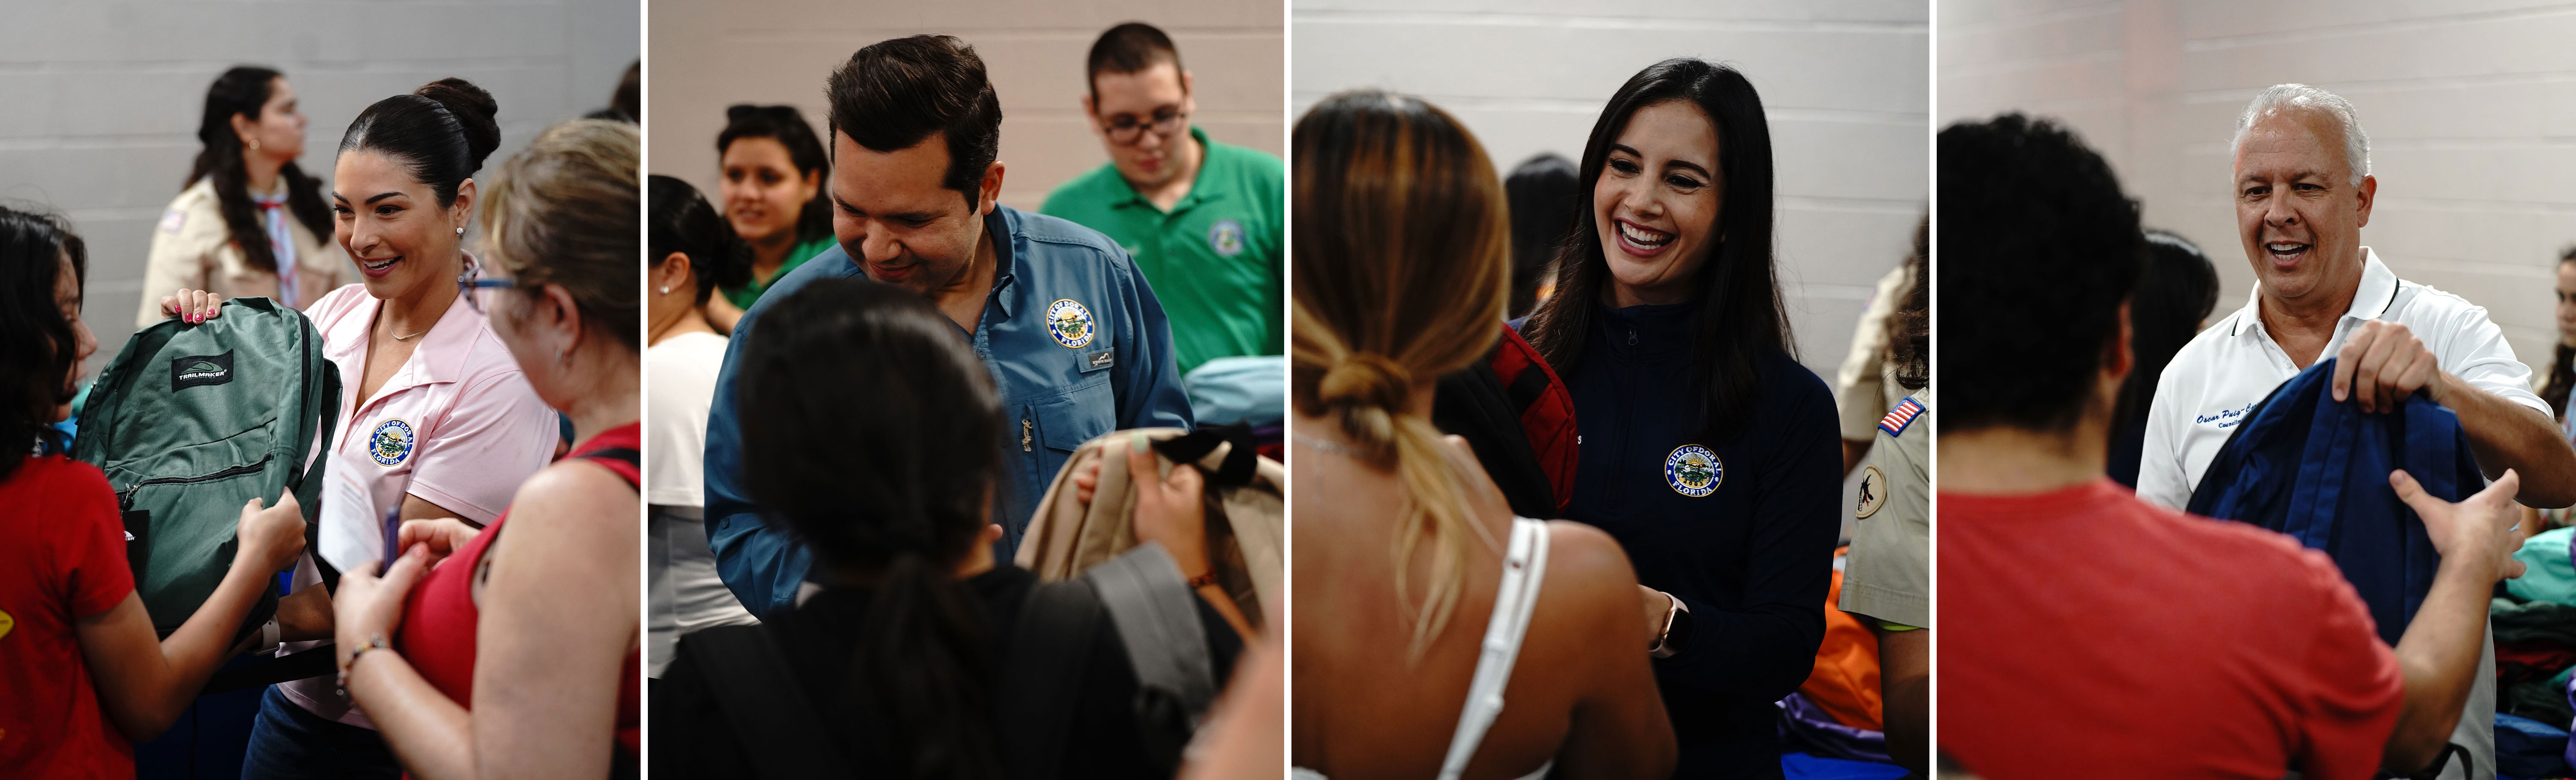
pixel 374 642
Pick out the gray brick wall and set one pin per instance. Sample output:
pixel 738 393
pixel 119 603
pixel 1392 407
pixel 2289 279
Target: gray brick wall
pixel 1845 84
pixel 2471 109
pixel 99 100
pixel 709 54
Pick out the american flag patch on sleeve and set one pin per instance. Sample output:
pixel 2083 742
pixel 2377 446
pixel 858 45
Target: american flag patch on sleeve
pixel 1903 415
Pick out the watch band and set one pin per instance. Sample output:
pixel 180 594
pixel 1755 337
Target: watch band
pixel 1664 646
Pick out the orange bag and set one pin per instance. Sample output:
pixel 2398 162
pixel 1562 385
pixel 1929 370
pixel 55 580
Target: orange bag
pixel 1845 681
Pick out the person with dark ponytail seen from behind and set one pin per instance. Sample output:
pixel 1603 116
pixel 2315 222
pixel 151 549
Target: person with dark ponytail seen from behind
pixel 772 192
pixel 2177 289
pixel 433 409
pixel 694 252
pixel 248 209
pixel 521 655
pixel 1707 450
pixel 1410 564
pixel 82 674
pixel 900 643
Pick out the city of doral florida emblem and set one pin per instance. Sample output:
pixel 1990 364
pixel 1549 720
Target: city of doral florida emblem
pixel 1069 323
pixel 1693 471
pixel 1226 237
pixel 391 443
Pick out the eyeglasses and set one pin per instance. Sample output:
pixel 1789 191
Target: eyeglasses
pixel 1125 129
pixel 471 284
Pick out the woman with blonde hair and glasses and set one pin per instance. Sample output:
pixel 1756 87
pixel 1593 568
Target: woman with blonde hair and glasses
pixel 521 655
pixel 1423 606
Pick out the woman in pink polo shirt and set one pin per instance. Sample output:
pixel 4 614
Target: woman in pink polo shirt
pixel 433 402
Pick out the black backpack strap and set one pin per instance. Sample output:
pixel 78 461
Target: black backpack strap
pixel 1050 649
pixel 312 662
pixel 1240 463
pixel 308 486
pixel 1158 622
pixel 779 727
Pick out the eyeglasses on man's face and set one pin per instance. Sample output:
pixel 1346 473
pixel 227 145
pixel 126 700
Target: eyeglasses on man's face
pixel 1126 128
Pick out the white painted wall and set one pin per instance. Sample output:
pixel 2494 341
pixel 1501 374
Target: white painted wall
pixel 1845 85
pixel 99 101
pixel 2470 106
pixel 709 54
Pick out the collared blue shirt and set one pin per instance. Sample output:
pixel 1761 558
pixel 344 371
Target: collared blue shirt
pixel 1078 347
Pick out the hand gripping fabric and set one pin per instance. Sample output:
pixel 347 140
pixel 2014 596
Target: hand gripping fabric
pixel 1246 521
pixel 2317 469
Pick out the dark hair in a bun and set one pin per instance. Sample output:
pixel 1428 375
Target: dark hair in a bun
pixel 440 132
pixel 679 219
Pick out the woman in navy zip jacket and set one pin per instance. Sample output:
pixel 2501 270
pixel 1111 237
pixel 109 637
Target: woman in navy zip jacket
pixel 1706 450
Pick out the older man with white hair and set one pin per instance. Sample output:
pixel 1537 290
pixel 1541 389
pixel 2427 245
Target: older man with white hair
pixel 2303 191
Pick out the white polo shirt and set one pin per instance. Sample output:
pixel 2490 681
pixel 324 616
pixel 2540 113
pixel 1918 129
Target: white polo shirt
pixel 2216 380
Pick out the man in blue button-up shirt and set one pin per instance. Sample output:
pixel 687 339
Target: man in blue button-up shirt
pixel 1076 342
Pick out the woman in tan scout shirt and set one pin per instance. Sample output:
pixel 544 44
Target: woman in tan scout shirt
pixel 248 210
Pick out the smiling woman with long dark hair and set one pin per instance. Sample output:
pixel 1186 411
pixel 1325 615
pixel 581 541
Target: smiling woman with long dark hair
pixel 1707 450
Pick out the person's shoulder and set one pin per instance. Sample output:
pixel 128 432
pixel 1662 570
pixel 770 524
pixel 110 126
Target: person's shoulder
pixel 1089 187
pixel 54 478
pixel 2428 308
pixel 198 197
pixel 2249 552
pixel 575 490
pixel 1794 386
pixel 1069 248
pixel 2201 354
pixel 1065 233
pixel 1253 162
pixel 1588 558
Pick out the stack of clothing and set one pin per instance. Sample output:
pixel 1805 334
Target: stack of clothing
pixel 2535 646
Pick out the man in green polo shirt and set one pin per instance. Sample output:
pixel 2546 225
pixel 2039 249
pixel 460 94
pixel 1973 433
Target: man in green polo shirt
pixel 1203 219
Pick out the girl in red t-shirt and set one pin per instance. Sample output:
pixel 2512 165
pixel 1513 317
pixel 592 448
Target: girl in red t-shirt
pixel 81 673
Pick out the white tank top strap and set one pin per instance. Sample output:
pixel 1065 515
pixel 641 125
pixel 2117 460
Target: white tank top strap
pixel 1524 567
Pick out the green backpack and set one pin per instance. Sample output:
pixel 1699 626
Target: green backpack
pixel 193 420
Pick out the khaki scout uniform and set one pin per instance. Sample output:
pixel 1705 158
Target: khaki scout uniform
pixel 193 249
pixel 1889 573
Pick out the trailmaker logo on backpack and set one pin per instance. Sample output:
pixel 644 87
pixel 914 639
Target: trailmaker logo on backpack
pixel 195 370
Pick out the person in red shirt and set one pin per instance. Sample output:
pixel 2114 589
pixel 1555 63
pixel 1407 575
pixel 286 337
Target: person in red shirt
pixel 81 672
pixel 2087 633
